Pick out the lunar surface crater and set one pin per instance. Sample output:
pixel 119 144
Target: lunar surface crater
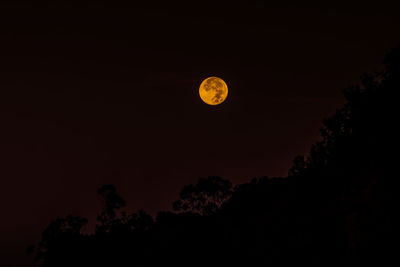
pixel 213 91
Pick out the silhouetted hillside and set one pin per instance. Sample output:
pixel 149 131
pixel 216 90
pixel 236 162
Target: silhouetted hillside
pixel 335 208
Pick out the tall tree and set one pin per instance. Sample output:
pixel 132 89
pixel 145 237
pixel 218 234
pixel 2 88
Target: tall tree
pixel 113 202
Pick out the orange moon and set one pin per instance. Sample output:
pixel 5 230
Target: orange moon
pixel 213 91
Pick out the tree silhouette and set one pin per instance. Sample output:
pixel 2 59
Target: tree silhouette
pixel 353 166
pixel 112 203
pixel 56 238
pixel 205 197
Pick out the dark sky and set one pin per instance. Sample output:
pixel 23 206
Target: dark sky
pixel 93 93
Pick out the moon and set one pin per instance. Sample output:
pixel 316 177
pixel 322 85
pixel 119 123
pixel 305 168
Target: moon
pixel 213 91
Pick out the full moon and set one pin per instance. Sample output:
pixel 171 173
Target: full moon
pixel 213 91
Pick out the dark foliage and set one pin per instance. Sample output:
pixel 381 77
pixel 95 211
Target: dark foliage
pixel 335 208
pixel 206 197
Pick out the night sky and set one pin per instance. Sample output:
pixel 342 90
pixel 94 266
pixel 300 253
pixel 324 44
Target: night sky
pixel 93 94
